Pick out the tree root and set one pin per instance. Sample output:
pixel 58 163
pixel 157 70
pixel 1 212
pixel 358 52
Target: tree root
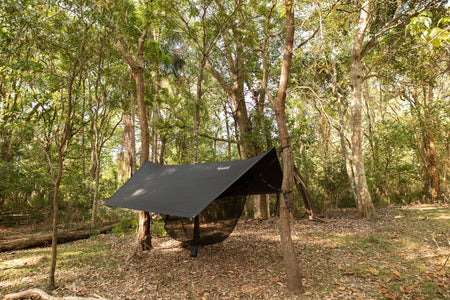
pixel 43 295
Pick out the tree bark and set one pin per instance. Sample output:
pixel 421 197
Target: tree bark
pixel 33 293
pixel 294 283
pixel 62 143
pixel 54 251
pixel 430 158
pixel 44 239
pixel 257 206
pixel 363 201
pixel 137 67
pixel 197 104
pixel 235 91
pixel 342 108
pixel 301 187
pixel 144 233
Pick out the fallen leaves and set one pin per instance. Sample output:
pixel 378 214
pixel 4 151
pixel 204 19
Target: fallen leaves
pixel 373 271
pixel 347 257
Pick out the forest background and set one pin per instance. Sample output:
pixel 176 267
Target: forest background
pixel 207 73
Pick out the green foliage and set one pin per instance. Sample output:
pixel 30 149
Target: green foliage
pixel 42 46
pixel 422 27
pixel 158 228
pixel 124 225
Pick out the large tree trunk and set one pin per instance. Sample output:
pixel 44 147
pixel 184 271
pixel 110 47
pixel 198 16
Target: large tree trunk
pixel 430 158
pixel 137 67
pixel 290 260
pixel 144 232
pixel 363 201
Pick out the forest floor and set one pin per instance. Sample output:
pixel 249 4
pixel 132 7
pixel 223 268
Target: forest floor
pixel 402 255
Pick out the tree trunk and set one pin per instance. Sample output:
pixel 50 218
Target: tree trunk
pixel 267 201
pixel 44 239
pixel 227 126
pixel 162 149
pixel 431 158
pixel 95 196
pixel 301 188
pixel 40 294
pixel 257 206
pixel 62 143
pixel 342 108
pixel 144 231
pixel 294 282
pixel 137 67
pixel 345 154
pixel 198 102
pixel 363 201
pixel 56 185
pixel 236 93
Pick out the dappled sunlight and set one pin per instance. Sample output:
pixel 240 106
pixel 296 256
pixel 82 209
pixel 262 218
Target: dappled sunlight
pixel 20 262
pixel 70 254
pixel 443 217
pixel 26 280
pixel 168 245
pixel 272 238
pixel 345 254
pixel 257 235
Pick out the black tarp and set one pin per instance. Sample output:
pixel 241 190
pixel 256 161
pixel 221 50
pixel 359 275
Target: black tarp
pixel 186 190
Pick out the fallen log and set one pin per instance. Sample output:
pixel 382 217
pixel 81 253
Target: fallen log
pixel 43 295
pixel 44 239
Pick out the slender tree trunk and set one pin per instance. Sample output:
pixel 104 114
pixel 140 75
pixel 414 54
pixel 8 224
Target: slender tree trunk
pixel 342 125
pixel 301 187
pixel 363 201
pixel 227 125
pixel 127 157
pixel 198 102
pixel 235 92
pixel 56 186
pixel 83 142
pixel 294 283
pixel 96 178
pixel 155 133
pixel 131 141
pixel 61 144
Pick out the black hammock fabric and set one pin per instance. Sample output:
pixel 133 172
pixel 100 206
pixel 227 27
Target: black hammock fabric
pixel 213 192
pixel 215 223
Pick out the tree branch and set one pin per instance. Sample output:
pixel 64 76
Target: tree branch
pixel 220 79
pixel 396 21
pixel 217 138
pixel 317 29
pixel 43 295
